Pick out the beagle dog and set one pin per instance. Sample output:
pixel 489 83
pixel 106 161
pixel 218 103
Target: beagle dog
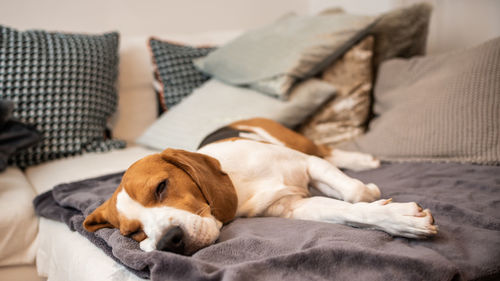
pixel 178 200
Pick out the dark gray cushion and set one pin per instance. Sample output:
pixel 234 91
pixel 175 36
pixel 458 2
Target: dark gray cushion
pixel 174 70
pixel 440 108
pixel 62 84
pixel 14 135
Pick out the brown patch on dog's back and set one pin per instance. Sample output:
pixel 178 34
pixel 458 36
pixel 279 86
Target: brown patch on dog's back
pixel 288 137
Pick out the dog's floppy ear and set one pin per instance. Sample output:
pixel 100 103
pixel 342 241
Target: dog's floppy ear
pixel 104 216
pixel 206 172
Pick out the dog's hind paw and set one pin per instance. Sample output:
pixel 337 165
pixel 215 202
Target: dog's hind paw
pixel 355 161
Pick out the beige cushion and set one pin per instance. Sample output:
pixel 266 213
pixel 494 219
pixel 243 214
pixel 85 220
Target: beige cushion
pixel 344 117
pixel 439 108
pixel 18 222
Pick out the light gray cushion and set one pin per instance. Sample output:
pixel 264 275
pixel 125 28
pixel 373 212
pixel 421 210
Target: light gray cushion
pixel 440 108
pixel 272 58
pixel 216 104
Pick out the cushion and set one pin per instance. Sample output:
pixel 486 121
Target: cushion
pixel 344 117
pixel 401 33
pixel 174 70
pixel 137 101
pixel 14 135
pixel 216 104
pixel 64 85
pixel 272 58
pixel 439 108
pixel 18 222
pixel 398 33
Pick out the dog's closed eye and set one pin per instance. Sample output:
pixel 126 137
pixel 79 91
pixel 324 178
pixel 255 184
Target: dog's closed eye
pixel 161 189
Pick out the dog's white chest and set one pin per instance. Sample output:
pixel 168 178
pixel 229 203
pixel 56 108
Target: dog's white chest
pixel 261 173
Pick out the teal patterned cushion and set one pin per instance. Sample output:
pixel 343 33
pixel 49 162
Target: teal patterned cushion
pixel 63 85
pixel 174 70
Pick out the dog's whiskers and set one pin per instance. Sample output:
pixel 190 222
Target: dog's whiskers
pixel 200 211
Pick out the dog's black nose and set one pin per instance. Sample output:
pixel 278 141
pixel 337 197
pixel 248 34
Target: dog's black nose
pixel 172 241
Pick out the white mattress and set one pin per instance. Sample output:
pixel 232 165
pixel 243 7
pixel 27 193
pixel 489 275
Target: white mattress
pixel 66 255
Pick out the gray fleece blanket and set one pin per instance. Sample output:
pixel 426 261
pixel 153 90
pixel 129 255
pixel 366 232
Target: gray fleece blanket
pixel 465 201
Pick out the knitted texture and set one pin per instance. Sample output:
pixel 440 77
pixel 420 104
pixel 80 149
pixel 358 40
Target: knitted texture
pixel 439 108
pixel 63 85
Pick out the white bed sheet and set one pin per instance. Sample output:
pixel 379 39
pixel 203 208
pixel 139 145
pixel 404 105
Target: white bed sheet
pixel 65 255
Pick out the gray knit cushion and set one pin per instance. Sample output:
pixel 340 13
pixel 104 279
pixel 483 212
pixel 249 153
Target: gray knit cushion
pixel 439 108
pixel 62 84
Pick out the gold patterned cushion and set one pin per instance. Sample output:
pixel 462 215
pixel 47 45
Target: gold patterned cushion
pixel 343 118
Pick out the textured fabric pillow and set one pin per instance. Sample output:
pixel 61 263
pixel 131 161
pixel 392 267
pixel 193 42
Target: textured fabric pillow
pixel 271 59
pixel 14 135
pixel 216 104
pixel 399 33
pixel 175 74
pixel 345 116
pixel 64 85
pixel 441 108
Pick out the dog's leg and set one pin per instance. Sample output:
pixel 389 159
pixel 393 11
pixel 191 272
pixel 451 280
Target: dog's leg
pixel 334 183
pixel 351 160
pixel 398 219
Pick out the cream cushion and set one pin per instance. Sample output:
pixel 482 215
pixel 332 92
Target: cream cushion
pixel 18 223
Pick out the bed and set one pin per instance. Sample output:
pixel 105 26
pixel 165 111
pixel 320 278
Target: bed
pixel 433 121
pixel 464 200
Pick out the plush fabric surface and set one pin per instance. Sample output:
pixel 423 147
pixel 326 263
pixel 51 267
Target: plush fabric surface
pixel 463 198
pixel 344 117
pixel 401 33
pixel 441 108
pixel 18 222
pixel 216 104
pixel 14 135
pixel 270 59
pixel 63 84
pixel 174 70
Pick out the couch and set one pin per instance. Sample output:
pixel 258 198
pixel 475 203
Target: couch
pixel 451 177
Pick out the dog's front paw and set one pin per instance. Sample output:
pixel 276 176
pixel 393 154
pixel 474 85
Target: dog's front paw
pixel 406 219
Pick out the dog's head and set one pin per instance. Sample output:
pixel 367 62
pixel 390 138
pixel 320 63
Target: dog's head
pixel 174 201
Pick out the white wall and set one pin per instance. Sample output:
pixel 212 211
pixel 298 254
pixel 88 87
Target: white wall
pixel 454 24
pixel 148 17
